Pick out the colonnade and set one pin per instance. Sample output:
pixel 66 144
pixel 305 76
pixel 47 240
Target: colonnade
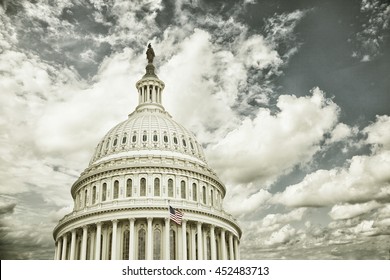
pixel 150 93
pixel 148 238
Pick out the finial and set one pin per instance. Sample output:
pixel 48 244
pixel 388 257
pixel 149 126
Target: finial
pixel 150 54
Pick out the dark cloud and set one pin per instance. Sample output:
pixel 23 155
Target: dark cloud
pixel 7 208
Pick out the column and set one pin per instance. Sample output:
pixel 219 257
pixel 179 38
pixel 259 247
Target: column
pixel 231 251
pixel 131 239
pixel 200 243
pixel 149 241
pixel 212 241
pixel 64 247
pixel 84 243
pixel 166 241
pixel 59 245
pixel 223 245
pixel 98 240
pixel 193 244
pixel 236 248
pixel 184 238
pixel 73 245
pixel 113 243
pixel 104 244
pixel 92 247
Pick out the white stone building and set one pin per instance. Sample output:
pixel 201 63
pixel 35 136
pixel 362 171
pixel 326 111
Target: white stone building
pixel 139 168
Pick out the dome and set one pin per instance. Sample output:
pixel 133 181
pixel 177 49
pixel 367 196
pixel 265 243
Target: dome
pixel 148 132
pixel 145 170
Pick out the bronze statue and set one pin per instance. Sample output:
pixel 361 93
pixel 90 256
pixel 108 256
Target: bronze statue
pixel 150 54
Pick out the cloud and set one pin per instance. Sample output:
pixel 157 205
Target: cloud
pixel 283 235
pixel 251 153
pixel 375 16
pixel 365 178
pixel 7 208
pixel 348 211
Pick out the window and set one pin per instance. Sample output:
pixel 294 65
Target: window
pixel 141 244
pixel 144 137
pixel 124 139
pixel 172 244
pixel 192 146
pixel 211 197
pixel 183 189
pixel 175 140
pixel 204 194
pixel 194 192
pixel 126 239
pixel 129 188
pixel 155 137
pixel 157 244
pixel 142 190
pixel 115 142
pixel 184 143
pixel 165 139
pixel 156 187
pixel 85 198
pixel 134 138
pixel 170 188
pixel 116 189
pixel 104 192
pixel 94 195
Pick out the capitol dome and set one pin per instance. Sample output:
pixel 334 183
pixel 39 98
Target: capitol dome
pixel 148 193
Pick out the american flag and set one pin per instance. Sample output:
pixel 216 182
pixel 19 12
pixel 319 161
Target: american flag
pixel 175 215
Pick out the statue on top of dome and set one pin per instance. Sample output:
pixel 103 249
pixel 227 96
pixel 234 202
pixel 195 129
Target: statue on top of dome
pixel 150 54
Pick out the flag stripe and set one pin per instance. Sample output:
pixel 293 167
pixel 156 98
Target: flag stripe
pixel 175 215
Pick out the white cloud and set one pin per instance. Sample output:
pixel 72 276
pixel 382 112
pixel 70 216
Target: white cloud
pixel 281 236
pixel 341 132
pixel 348 211
pixel 365 178
pixel 252 152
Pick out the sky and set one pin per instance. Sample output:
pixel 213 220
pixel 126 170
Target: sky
pixel 290 100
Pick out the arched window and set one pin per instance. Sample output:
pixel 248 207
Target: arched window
pixel 211 197
pixel 141 244
pixel 204 194
pixel 134 138
pixel 85 198
pixel 124 139
pixel 184 143
pixel 94 195
pixel 126 238
pixel 183 189
pixel 156 187
pixel 115 142
pixel 172 244
pixel 155 138
pixel 157 244
pixel 129 188
pixel 104 192
pixel 175 140
pixel 142 191
pixel 192 146
pixel 165 138
pixel 144 137
pixel 170 188
pixel 116 189
pixel 194 192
